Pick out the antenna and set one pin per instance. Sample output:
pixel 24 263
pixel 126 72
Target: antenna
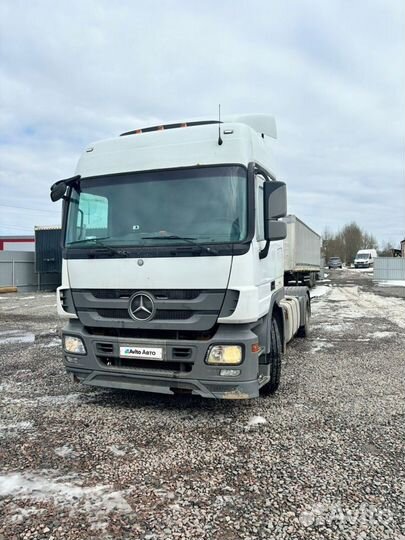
pixel 219 125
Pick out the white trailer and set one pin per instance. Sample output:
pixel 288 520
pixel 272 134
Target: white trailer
pixel 173 268
pixel 302 252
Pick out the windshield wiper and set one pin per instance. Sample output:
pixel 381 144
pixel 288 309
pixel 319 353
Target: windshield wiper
pixel 99 242
pixel 189 240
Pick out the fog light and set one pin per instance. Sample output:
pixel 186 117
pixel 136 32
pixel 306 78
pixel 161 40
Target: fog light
pixel 229 372
pixel 74 345
pixel 72 359
pixel 225 354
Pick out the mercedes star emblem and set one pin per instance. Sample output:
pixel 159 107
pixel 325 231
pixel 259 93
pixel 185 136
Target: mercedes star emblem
pixel 141 306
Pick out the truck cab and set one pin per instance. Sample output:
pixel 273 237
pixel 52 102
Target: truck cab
pixel 172 272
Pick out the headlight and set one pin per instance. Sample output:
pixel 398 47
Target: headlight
pixel 73 345
pixel 225 354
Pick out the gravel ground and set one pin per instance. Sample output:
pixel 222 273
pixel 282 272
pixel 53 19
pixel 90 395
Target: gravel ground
pixel 323 458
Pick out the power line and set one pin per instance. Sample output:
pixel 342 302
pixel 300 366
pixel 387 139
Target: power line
pixel 27 208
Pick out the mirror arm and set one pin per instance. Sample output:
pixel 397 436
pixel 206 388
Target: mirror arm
pixel 69 181
pixel 265 251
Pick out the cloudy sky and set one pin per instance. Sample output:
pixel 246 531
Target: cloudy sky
pixel 331 71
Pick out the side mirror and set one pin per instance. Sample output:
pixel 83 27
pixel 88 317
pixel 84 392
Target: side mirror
pixel 275 200
pixel 275 206
pixel 58 190
pixel 275 230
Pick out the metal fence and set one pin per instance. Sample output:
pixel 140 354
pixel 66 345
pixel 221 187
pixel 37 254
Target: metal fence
pixel 389 269
pixel 17 269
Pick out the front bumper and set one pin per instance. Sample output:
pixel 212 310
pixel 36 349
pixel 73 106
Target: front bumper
pixel 183 371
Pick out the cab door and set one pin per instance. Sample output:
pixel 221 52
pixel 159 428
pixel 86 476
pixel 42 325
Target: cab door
pixel 269 276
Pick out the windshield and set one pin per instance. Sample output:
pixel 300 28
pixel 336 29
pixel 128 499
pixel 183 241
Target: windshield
pixel 202 205
pixel 362 255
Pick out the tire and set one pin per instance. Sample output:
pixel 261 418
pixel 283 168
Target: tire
pixel 303 331
pixel 274 359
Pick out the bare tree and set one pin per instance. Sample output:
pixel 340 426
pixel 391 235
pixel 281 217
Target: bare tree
pixel 352 240
pixel 369 241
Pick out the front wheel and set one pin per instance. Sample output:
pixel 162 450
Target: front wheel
pixel 274 359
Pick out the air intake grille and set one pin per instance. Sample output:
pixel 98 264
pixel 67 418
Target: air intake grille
pixel 107 348
pixel 159 294
pixel 161 314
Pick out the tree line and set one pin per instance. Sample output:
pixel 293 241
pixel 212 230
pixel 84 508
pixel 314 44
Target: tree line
pixel 347 242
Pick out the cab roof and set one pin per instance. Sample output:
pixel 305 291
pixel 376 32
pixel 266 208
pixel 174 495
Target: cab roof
pixel 244 138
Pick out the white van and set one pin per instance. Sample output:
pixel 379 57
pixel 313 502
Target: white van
pixel 365 258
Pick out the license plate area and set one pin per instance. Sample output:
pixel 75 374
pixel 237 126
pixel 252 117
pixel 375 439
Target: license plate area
pixel 141 352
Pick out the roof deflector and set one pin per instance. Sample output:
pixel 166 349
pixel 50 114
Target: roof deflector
pixel 261 123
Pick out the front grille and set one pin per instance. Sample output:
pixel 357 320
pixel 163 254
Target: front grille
pixel 191 309
pixel 148 333
pixel 160 315
pixel 149 365
pixel 159 294
pixel 172 314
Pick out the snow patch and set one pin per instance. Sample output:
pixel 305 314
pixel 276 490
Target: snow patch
pixel 63 451
pixel 319 345
pixel 16 425
pixel 340 294
pixel 382 334
pixel 16 336
pixel 57 342
pixel 116 451
pixel 59 400
pixel 256 420
pixel 333 327
pixel 319 290
pixel 21 514
pixel 359 270
pixel 96 502
pixel 11 430
pixel 392 283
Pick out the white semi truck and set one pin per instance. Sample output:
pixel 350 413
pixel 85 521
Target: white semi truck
pixel 173 264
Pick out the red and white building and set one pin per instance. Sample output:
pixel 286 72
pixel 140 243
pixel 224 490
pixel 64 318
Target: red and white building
pixel 17 243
